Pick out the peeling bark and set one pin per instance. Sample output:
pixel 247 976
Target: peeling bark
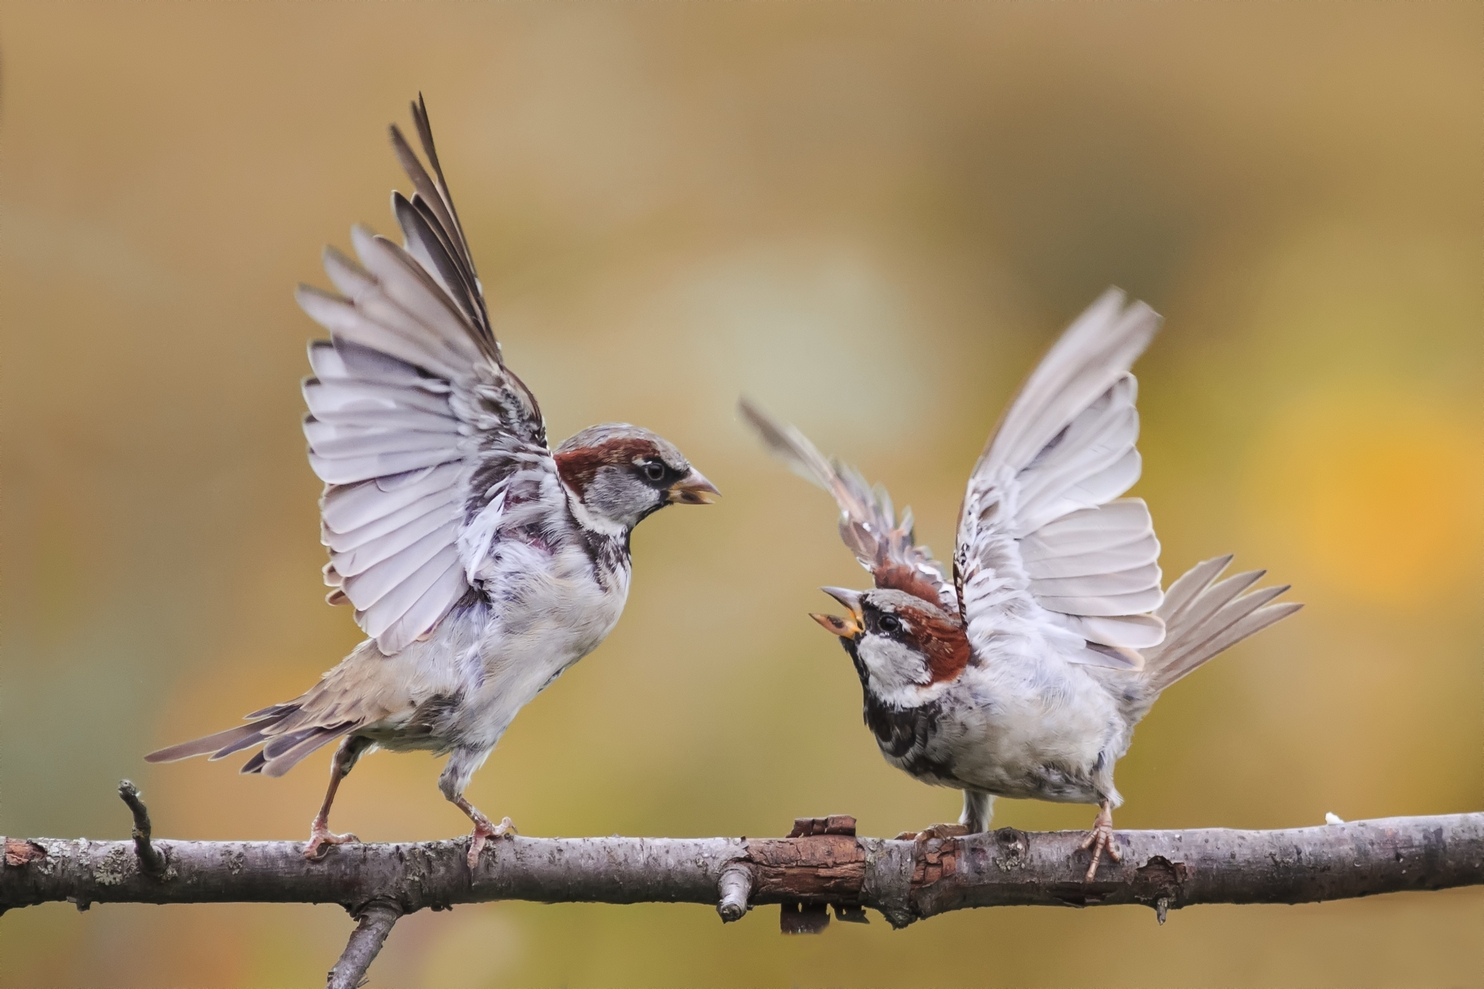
pixel 822 864
pixel 905 880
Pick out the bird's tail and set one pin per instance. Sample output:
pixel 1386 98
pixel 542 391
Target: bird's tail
pixel 1204 617
pixel 281 730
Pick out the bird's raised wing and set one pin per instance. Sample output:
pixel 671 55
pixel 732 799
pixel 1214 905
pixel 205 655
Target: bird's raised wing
pixel 422 436
pixel 868 524
pixel 1040 531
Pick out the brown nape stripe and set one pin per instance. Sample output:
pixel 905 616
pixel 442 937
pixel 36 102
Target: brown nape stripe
pixel 942 641
pixel 578 467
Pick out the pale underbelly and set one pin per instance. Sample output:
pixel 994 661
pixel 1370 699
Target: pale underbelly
pixel 1043 757
pixel 485 675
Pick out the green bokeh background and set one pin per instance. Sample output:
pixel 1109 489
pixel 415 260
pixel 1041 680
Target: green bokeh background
pixel 869 217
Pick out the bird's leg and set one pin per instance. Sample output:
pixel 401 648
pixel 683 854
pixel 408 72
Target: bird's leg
pixel 453 781
pixel 320 834
pixel 977 809
pixel 483 829
pixel 1100 838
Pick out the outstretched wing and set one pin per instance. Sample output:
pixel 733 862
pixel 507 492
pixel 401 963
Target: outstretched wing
pixel 868 524
pixel 1040 531
pixel 424 439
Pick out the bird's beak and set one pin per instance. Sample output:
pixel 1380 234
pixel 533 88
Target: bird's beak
pixel 692 489
pixel 845 628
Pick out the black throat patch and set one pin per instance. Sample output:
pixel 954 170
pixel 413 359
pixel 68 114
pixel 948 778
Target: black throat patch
pixel 904 735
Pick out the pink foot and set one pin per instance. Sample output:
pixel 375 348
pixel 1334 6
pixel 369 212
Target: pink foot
pixel 320 836
pixel 484 830
pixel 1100 840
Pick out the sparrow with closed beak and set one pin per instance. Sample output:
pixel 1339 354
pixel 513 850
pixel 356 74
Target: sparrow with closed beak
pixel 481 563
pixel 1024 671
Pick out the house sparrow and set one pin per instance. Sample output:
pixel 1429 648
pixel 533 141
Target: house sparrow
pixel 480 562
pixel 1024 672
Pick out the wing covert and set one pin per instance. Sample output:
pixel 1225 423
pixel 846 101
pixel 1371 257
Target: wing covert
pixel 423 437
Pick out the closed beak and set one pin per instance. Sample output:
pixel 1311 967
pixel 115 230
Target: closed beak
pixel 846 628
pixel 692 489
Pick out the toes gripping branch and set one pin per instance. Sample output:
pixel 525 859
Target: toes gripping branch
pixel 824 867
pixel 1100 840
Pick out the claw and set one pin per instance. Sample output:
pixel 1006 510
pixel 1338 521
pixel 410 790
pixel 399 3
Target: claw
pixel 320 837
pixel 1100 839
pixel 484 830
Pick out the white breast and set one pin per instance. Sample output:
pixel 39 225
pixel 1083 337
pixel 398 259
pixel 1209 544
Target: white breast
pixel 548 611
pixel 1034 716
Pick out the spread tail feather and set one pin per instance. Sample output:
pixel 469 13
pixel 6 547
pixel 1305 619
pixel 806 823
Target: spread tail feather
pixel 1204 617
pixel 284 752
pixel 220 744
pixel 284 744
pixel 348 697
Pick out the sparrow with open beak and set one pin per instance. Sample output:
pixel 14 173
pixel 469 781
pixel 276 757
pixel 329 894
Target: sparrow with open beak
pixel 480 562
pixel 1024 673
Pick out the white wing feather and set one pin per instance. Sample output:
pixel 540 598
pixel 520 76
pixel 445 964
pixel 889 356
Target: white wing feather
pixel 1040 530
pixel 415 425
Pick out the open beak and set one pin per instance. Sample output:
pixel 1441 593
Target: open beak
pixel 845 628
pixel 692 489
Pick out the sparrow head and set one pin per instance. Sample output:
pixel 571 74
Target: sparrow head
pixel 899 642
pixel 619 474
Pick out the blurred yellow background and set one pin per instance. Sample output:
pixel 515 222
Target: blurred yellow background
pixel 869 217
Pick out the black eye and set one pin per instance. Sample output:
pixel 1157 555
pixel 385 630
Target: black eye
pixel 890 623
pixel 654 470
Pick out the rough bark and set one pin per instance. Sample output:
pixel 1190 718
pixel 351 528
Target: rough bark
pixel 822 864
pixel 905 880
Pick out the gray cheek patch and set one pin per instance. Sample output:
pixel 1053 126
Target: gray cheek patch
pixel 617 495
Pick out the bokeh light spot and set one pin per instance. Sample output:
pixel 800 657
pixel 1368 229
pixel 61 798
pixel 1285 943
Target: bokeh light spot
pixel 1378 491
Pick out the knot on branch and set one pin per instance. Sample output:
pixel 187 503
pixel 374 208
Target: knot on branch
pixel 1163 880
pixel 1013 846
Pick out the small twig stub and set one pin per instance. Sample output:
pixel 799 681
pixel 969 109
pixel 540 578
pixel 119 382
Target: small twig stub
pixel 150 860
pixel 825 867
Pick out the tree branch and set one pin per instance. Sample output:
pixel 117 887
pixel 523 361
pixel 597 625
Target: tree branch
pixel 905 880
pixel 827 866
pixel 373 925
